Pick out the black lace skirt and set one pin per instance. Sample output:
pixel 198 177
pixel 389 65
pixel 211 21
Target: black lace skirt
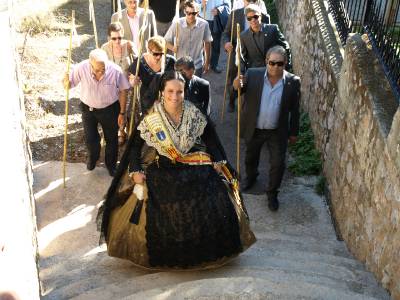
pixel 189 220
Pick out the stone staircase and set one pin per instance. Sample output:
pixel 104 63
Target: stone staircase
pixel 297 255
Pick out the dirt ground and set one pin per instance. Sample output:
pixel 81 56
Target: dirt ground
pixel 43 47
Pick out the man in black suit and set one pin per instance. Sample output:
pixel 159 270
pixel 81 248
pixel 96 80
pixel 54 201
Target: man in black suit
pixel 238 17
pixel 258 38
pixel 271 110
pixel 197 90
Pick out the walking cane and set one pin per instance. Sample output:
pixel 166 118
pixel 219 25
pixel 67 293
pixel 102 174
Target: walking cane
pixel 227 69
pixel 92 18
pixel 176 19
pixel 67 97
pixel 238 55
pixel 136 88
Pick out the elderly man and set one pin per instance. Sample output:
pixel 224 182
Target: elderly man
pixel 238 17
pixel 132 18
pixel 259 38
pixel 194 38
pixel 103 83
pixel 271 110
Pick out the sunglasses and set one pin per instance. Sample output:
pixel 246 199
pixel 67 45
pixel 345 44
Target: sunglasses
pixel 278 63
pixel 157 53
pixel 117 38
pixel 191 13
pixel 255 17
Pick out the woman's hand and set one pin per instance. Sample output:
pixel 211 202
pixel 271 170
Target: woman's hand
pixel 134 80
pixel 138 177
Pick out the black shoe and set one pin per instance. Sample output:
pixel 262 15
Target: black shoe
pixel 273 203
pixel 90 164
pixel 216 70
pixel 248 183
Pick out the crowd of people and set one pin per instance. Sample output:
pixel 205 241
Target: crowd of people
pixel 175 201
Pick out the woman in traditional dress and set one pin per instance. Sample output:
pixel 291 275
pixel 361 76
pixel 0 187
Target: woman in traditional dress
pixel 121 52
pixel 155 60
pixel 185 211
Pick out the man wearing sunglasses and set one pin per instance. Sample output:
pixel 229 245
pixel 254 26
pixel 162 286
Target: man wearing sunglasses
pixel 258 38
pixel 271 110
pixel 239 17
pixel 194 38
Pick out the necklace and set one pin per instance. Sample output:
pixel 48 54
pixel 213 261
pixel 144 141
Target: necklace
pixel 120 58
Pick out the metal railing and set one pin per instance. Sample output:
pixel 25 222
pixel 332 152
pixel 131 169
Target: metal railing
pixel 380 19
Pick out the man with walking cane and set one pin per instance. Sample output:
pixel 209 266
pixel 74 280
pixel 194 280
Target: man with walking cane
pixel 103 100
pixel 271 110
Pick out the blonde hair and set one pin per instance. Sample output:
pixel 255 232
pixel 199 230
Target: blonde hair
pixel 157 43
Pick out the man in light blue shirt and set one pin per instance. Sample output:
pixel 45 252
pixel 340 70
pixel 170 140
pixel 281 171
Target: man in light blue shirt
pixel 216 12
pixel 270 109
pixel 270 106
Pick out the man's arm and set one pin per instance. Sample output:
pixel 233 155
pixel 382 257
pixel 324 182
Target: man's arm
pixel 122 104
pixel 153 22
pixel 226 35
pixel 169 38
pixel 207 47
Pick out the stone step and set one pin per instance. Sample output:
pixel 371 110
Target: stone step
pixel 61 273
pixel 241 287
pixel 77 281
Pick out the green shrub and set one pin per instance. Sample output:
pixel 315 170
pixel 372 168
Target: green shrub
pixel 271 9
pixel 307 160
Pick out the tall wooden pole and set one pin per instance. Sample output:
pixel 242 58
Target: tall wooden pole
pixel 67 97
pixel 136 91
pixel 228 68
pixel 238 55
pixel 93 19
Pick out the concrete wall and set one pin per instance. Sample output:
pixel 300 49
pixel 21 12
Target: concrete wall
pixel 356 121
pixel 18 245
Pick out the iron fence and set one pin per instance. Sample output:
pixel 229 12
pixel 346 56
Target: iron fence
pixel 380 19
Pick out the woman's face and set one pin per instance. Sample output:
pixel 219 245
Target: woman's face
pixel 156 54
pixel 116 37
pixel 173 94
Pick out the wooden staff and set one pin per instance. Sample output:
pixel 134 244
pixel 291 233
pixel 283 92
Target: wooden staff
pixel 238 55
pixel 176 18
pixel 67 97
pixel 93 19
pixel 227 69
pixel 136 90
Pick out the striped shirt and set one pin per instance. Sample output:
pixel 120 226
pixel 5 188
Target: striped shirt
pixel 102 93
pixel 191 39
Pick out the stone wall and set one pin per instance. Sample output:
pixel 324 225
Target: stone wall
pixel 18 243
pixel 356 121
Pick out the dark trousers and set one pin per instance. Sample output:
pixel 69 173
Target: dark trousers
pixel 215 45
pixel 276 145
pixel 108 119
